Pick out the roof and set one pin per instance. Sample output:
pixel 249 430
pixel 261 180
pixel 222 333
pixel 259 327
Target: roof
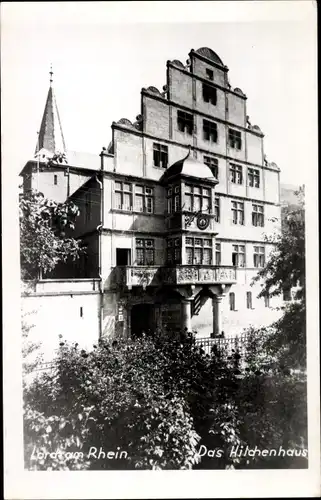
pixel 190 167
pixel 51 138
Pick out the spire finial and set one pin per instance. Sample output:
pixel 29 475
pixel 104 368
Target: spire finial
pixel 50 73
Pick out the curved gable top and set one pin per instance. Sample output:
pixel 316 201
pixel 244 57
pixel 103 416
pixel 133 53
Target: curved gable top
pixel 209 54
pixel 190 167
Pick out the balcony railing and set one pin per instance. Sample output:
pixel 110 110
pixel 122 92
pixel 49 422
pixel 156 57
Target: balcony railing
pixel 144 276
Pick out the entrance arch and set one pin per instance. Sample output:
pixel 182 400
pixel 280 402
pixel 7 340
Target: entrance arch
pixel 142 320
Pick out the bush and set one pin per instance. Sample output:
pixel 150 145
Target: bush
pixel 161 401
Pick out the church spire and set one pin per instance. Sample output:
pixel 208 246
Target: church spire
pixel 50 137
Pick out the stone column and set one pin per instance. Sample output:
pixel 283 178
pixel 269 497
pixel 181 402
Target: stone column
pixel 217 315
pixel 186 314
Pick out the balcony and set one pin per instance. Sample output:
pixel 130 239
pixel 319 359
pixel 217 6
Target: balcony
pixel 144 276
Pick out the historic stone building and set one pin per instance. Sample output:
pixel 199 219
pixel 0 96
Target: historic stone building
pixel 174 212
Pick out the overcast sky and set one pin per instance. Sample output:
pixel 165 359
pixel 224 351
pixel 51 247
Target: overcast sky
pixel 103 54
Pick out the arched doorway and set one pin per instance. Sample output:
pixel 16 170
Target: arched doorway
pixel 142 320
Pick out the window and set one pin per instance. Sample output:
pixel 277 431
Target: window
pixel 258 215
pixel 236 174
pixel 198 251
pixel 238 255
pixel 249 300
pixel 209 131
pixel 55 180
pixel 173 199
pixel 217 213
pixel 123 196
pixel 209 94
pixel 197 199
pixel 185 122
pixel 254 177
pixel 212 163
pixel 259 257
pixel 144 252
pixel 267 300
pixel 232 301
pixel 174 251
pixel 144 199
pixel 209 74
pixel 234 138
pixel 217 254
pixel 238 212
pixel 160 155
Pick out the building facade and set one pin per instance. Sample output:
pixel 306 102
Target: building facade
pixel 175 211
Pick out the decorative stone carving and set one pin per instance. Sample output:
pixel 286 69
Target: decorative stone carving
pixel 153 90
pixel 239 91
pixel 209 54
pixel 206 275
pixel 187 274
pixel 178 63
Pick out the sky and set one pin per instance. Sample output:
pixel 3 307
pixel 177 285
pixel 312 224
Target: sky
pixel 103 53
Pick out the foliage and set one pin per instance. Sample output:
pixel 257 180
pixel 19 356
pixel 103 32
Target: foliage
pixel 285 271
pixel 43 241
pixel 285 268
pixel 161 400
pixel 135 406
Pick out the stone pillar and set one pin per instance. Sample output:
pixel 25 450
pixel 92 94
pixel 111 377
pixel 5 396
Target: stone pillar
pixel 186 314
pixel 217 315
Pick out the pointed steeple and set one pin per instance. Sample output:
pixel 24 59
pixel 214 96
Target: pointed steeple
pixel 50 137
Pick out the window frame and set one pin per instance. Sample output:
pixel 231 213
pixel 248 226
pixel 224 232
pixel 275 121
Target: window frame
pixel 238 215
pixel 257 215
pixel 232 301
pixel 217 209
pixel 173 251
pixel 210 74
pixel 209 94
pixel 235 139
pixel 160 155
pixel 253 175
pixel 193 195
pixel 236 173
pixel 218 254
pixel 258 256
pixel 197 246
pixel 212 164
pixel 249 304
pixel 210 131
pixel 185 122
pixel 239 251
pixel 144 248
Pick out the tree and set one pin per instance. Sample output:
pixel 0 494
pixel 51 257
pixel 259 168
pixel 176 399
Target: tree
pixel 43 240
pixel 285 272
